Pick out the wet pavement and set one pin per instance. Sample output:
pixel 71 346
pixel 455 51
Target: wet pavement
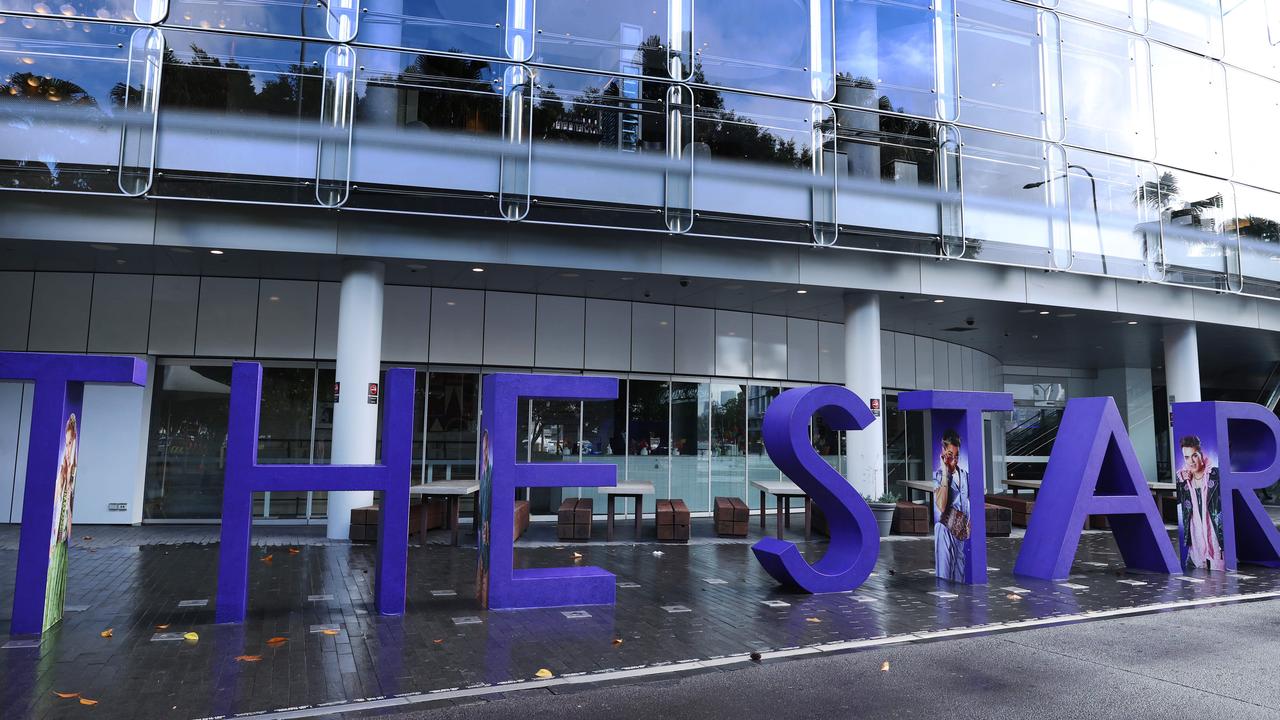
pixel 681 606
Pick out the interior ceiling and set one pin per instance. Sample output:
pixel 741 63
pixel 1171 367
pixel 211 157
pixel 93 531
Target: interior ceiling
pixel 1014 333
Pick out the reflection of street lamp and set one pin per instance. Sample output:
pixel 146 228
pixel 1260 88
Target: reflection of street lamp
pixel 1093 189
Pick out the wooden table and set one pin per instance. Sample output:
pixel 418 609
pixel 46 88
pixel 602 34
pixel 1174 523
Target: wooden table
pixel 783 491
pixel 637 491
pixel 1034 486
pixel 452 491
pixel 923 486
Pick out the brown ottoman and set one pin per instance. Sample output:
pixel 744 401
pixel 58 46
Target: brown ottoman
pixel 1019 507
pixel 364 524
pixel 427 515
pixel 731 517
pixel 521 519
pixel 999 521
pixel 573 520
pixel 673 521
pixel 910 519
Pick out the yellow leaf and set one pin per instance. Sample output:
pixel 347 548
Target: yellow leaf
pixel 617 641
pixel 331 631
pixel 248 658
pixel 66 696
pixel 163 627
pixel 190 636
pixel 1013 596
pixel 544 673
pixel 813 620
pixel 294 551
pixel 438 642
pixel 108 632
pixel 884 667
pixel 277 641
pixel 267 559
pixel 577 556
pixel 87 701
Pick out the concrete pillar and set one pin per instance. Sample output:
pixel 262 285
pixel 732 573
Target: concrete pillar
pixel 1182 362
pixel 355 420
pixel 1131 388
pixel 864 448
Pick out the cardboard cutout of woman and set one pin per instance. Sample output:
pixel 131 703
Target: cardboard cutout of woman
pixel 56 584
pixel 951 509
pixel 1199 508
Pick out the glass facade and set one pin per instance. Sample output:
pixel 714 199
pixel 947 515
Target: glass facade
pixel 692 439
pixel 992 130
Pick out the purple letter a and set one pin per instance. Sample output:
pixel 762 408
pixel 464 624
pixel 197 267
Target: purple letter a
pixel 1093 470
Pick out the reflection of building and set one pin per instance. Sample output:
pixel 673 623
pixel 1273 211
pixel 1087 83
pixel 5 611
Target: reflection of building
pixel 613 190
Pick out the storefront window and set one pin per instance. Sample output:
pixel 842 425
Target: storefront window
pixel 759 466
pixel 604 442
pixel 648 436
pixel 453 414
pixel 728 440
pixel 284 434
pixel 690 443
pixel 187 448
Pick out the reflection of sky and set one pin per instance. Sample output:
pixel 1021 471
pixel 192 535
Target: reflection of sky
pixel 890 43
pixel 468 26
pixel 999 59
pixel 760 44
pixel 266 58
pixel 586 33
pixel 1103 106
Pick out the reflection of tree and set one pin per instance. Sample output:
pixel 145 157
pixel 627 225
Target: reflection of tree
pixel 26 94
pixel 1157 194
pixel 447 93
pixel 1259 228
pixel 29 86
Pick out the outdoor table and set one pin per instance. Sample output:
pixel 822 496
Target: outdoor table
pixel 1034 486
pixel 636 491
pixel 783 491
pixel 452 491
pixel 923 486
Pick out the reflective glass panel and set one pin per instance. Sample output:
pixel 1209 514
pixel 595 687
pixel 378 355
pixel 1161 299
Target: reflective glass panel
pixel 284 434
pixel 604 442
pixel 453 414
pixel 648 437
pixel 428 134
pixel 253 119
pixel 887 174
pixel 728 440
pixel 77 104
pixel 1254 110
pixel 186 452
pixel 1015 200
pixel 335 20
pixel 619 36
pixel 1007 57
pixel 690 444
pixel 1258 222
pixel 1108 102
pixel 828 443
pixel 775 46
pixel 140 11
pixel 548 432
pixel 601 152
pixel 885 56
pixel 1191 127
pixel 1114 229
pixel 759 466
pixel 1195 25
pixel 1252 30
pixel 473 27
pixel 756 168
pixel 1198 229
pixel 1124 14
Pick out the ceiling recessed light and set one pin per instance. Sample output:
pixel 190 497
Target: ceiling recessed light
pixel 662 322
pixel 626 278
pixel 450 303
pixel 1133 322
pixel 215 252
pixel 938 301
pixel 802 292
pixel 1044 312
pixel 120 261
pixel 274 298
pixel 477 269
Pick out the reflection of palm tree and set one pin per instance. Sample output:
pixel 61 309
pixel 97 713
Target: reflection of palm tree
pixel 1157 194
pixel 30 86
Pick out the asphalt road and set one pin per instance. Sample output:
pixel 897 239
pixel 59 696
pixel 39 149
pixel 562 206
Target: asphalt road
pixel 1200 664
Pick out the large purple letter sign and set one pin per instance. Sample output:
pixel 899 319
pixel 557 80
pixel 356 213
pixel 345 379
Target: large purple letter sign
pixel 959 478
pixel 1222 522
pixel 855 537
pixel 244 476
pixel 1093 470
pixel 57 422
pixel 506 588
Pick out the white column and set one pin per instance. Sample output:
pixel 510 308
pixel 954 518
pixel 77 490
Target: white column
pixel 355 420
pixel 864 448
pixel 1182 362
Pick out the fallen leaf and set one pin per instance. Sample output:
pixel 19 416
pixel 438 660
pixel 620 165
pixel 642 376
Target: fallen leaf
pixel 66 696
pixel 544 673
pixel 438 642
pixel 294 551
pixel 267 559
pixel 277 641
pixel 577 556
pixel 884 666
pixel 755 656
pixel 657 553
pixel 163 627
pixel 812 620
pixel 193 637
pixel 87 537
pixel 617 641
pixel 87 701
pixel 331 631
pixel 1013 596
pixel 108 632
pixel 248 658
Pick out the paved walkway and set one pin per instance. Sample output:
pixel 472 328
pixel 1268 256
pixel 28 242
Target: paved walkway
pixel 679 608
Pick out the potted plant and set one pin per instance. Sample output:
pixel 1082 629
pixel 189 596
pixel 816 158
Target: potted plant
pixel 883 508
